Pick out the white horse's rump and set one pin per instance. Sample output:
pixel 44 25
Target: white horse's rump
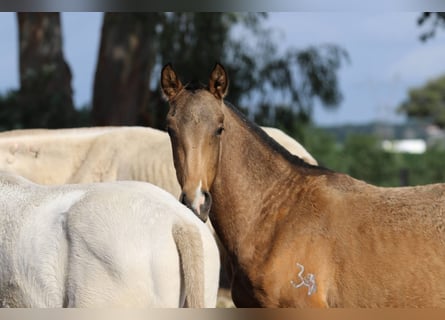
pixel 117 244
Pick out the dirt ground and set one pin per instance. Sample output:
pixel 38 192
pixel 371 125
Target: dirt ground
pixel 224 299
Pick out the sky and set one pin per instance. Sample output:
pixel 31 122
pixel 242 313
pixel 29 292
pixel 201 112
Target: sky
pixel 386 57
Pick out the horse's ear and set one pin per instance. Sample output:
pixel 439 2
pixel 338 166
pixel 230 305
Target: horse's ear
pixel 219 82
pixel 170 83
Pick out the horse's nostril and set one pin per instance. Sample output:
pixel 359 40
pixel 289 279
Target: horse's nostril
pixel 200 206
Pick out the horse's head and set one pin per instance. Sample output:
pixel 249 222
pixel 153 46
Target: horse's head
pixel 195 123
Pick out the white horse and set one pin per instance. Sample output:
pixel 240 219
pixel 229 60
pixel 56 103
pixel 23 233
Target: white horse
pixel 115 244
pixel 97 154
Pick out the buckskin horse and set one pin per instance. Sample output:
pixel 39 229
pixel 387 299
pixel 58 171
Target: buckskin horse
pixel 300 235
pixel 98 154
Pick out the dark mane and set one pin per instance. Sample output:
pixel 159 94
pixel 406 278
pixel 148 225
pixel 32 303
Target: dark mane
pixel 195 86
pixel 271 142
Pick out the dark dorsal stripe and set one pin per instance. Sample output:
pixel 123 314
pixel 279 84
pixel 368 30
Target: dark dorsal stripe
pixel 274 145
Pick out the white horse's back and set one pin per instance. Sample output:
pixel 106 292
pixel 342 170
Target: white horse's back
pixel 292 145
pixel 85 155
pixel 97 154
pixel 107 244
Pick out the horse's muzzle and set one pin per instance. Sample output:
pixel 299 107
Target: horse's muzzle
pixel 202 209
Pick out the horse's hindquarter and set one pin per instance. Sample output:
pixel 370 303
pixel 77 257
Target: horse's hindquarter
pixel 97 245
pixel 365 246
pixel 33 238
pixel 387 245
pixel 130 252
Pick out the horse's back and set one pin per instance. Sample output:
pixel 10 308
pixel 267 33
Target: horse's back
pixel 372 232
pixel 132 153
pixel 86 155
pixel 47 156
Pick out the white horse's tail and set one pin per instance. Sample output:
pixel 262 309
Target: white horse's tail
pixel 191 255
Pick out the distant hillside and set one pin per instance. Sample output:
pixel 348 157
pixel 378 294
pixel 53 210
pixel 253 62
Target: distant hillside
pixel 410 130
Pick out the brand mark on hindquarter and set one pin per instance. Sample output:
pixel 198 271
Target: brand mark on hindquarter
pixel 307 281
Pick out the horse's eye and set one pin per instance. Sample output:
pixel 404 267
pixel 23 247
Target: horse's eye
pixel 219 131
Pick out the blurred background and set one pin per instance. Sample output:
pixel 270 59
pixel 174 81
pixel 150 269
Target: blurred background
pixel 363 92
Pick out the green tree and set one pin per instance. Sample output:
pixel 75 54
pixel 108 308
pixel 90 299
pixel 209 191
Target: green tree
pixel 425 168
pixel 193 42
pixel 302 75
pixel 126 57
pixel 362 157
pixel 134 47
pixel 365 159
pixel 126 89
pixel 44 99
pixel 323 147
pixel 10 113
pixel 427 102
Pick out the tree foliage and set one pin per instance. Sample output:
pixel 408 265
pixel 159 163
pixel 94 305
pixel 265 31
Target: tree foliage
pixel 274 89
pixel 362 157
pixel 44 98
pixel 436 20
pixel 369 162
pixel 134 47
pixel 303 75
pixel 193 42
pixel 427 102
pixel 425 168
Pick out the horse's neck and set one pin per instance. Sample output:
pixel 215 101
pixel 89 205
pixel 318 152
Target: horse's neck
pixel 248 173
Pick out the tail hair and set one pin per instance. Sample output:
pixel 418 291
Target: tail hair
pixel 191 256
